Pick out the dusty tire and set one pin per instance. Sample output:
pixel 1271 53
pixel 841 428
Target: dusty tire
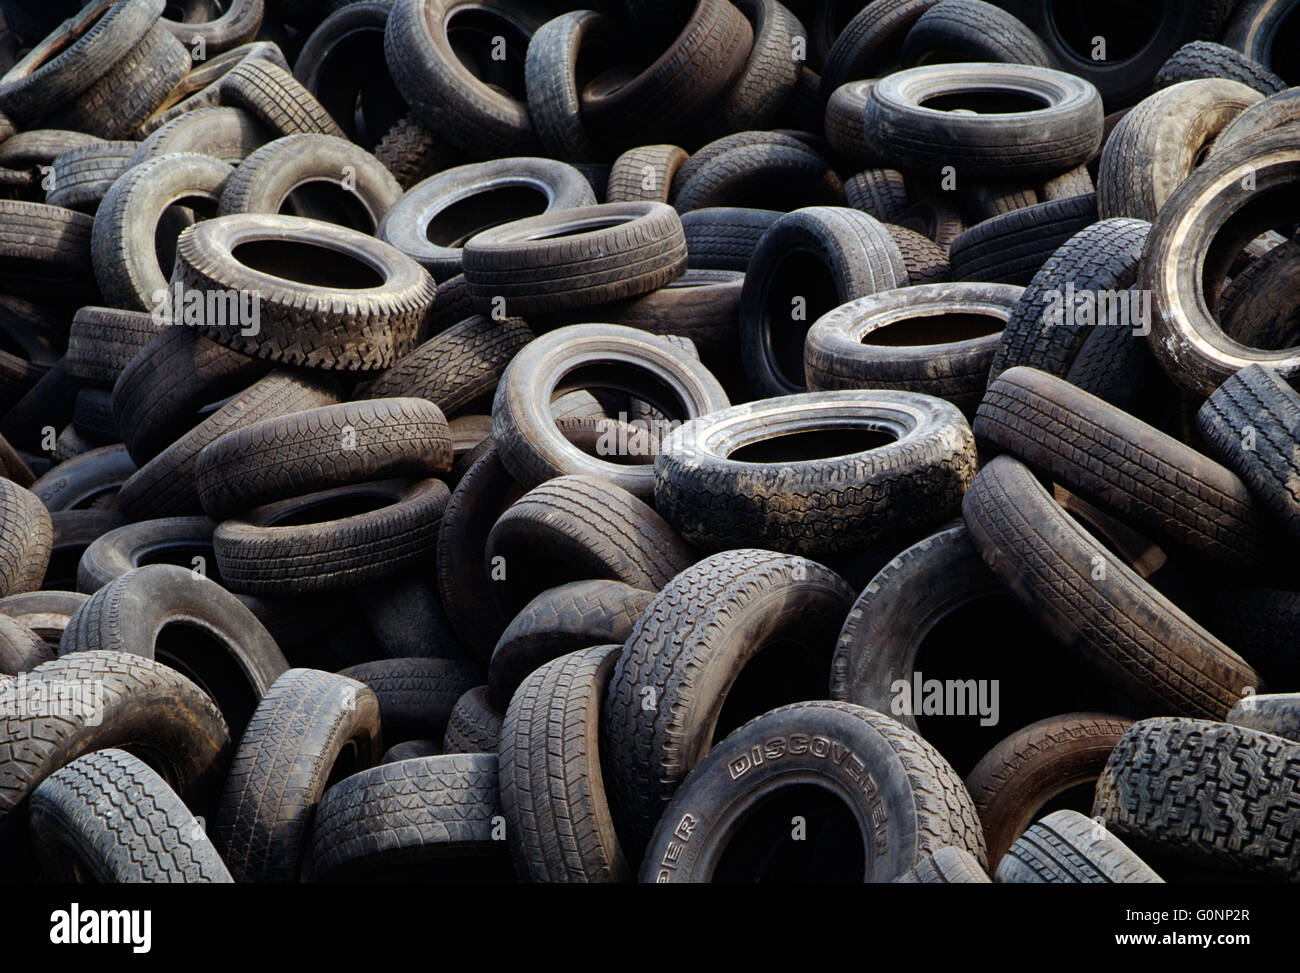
pixel 529 442
pixel 1166 660
pixel 943 345
pixel 552 790
pixel 912 801
pixel 362 313
pixel 693 648
pixel 1014 781
pixel 1171 785
pixel 1067 847
pixel 110 817
pixel 806 501
pixel 310 728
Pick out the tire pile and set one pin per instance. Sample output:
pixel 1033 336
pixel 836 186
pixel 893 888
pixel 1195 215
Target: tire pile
pixel 729 441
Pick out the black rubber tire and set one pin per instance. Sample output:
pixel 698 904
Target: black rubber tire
pixel 1125 78
pixel 1172 784
pixel 925 260
pixel 431 818
pixel 43 250
pixel 971 30
pixel 552 83
pixel 200 88
pixel 552 790
pixel 89 478
pixel 92 417
pixel 1278 714
pixel 129 272
pixel 575 258
pixel 310 728
pixel 484 492
pixel 266 182
pixel 227 134
pixel 1259 29
pixel 44 612
pixel 458 366
pixel 1209 217
pixel 305 322
pixel 71 59
pixel 109 817
pixel 103 340
pixel 258 558
pixel 432 221
pixel 236 23
pixel 481 120
pixel 759 96
pixel 29 23
pixel 724 238
pixel 275 98
pixel 1032 767
pixel 314 449
pixel 1118 625
pixel 687 658
pixel 681 86
pixel 1103 258
pixel 880 193
pixel 165 540
pixel 473 726
pixel 1251 423
pixel 644 174
pixel 336 64
pixel 140 703
pixel 915 805
pixel 776 176
pixel 902 127
pixel 22 649
pixel 26 539
pixel 842 253
pixel 579 528
pixel 561 620
pixel 950 333
pixel 82 177
pixel 159 394
pixel 871 43
pixel 410 749
pixel 935 219
pixel 737 140
pixel 1105 455
pixel 1158 144
pixel 844 122
pixel 651 370
pixel 1011 249
pixel 116 105
pixel 1069 847
pixel 411 152
pixel 1205 59
pixel 947 866
pixel 166 485
pixel 811 503
pixel 416 695
pixel 235 663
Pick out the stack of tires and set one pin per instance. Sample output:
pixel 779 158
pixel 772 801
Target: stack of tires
pixel 687 441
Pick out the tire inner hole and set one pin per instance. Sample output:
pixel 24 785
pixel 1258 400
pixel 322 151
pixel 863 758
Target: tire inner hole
pixel 798 447
pixel 763 846
pixel 327 200
pixel 199 654
pixel 493 48
pixel 453 225
pixel 307 263
pixel 802 289
pixel 992 101
pixel 935 329
pixel 1127 26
